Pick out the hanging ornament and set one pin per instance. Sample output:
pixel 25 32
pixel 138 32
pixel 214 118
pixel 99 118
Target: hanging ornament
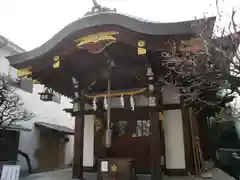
pixel 122 101
pixel 56 63
pixel 141 48
pixel 95 104
pixel 132 102
pixel 105 103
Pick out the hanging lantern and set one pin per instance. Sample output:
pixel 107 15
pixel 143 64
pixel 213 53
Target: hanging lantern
pixel 105 103
pixel 95 104
pixel 47 95
pixel 132 102
pixel 122 101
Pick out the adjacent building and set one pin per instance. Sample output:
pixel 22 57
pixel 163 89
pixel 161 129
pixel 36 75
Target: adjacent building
pixel 47 138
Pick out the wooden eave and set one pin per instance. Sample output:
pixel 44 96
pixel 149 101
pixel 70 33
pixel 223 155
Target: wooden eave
pixel 54 127
pixel 89 24
pixel 88 68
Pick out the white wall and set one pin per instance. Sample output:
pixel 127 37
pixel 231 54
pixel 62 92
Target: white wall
pixel 88 142
pixel 44 111
pixel 174 142
pixel 4 64
pixel 49 112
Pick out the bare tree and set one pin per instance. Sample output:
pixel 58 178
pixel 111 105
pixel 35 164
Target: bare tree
pixel 210 74
pixel 11 111
pixel 11 107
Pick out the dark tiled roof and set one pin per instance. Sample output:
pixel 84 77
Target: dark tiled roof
pixel 15 127
pixel 55 127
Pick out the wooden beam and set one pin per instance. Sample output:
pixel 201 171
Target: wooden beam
pixel 142 108
pixel 78 143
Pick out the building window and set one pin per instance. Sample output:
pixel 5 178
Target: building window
pixel 143 128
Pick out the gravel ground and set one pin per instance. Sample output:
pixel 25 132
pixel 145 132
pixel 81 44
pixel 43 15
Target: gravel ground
pixel 67 173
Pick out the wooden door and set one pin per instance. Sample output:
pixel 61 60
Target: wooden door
pixel 51 152
pixel 61 153
pixel 131 132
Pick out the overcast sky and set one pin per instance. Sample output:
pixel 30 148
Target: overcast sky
pixel 30 23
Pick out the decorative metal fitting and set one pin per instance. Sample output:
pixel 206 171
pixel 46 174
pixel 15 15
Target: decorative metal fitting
pixel 149 72
pixel 152 101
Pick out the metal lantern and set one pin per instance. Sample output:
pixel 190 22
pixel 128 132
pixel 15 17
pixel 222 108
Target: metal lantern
pixel 47 95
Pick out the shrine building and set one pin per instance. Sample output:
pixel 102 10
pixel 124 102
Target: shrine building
pixel 111 66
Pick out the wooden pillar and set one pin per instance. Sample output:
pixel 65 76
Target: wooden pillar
pixel 78 143
pixel 100 150
pixel 155 145
pixel 187 137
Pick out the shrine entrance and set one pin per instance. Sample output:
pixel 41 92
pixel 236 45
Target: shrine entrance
pixel 130 139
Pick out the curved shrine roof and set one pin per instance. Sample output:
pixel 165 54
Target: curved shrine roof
pixel 111 19
pixel 80 47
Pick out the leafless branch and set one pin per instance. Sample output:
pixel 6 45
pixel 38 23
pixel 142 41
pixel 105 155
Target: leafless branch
pixel 209 77
pixel 11 107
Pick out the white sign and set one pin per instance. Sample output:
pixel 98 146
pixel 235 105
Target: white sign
pixel 10 172
pixel 104 166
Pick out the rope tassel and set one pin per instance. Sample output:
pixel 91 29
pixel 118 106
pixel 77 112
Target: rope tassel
pixel 132 102
pixel 95 104
pixel 105 103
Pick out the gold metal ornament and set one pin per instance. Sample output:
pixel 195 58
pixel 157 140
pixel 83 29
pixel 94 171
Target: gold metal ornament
pixel 97 37
pixel 114 168
pixel 56 63
pixel 141 48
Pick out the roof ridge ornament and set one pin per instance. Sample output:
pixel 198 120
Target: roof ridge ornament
pixel 97 8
